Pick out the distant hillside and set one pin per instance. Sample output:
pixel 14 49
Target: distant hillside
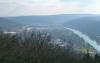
pixel 45 20
pixel 85 23
pixel 88 25
pixel 9 25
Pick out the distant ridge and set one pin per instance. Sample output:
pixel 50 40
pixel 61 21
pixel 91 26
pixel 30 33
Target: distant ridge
pixel 45 20
pixel 8 25
pixel 88 25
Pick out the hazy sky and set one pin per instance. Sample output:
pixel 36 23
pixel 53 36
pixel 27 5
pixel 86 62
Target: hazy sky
pixel 48 7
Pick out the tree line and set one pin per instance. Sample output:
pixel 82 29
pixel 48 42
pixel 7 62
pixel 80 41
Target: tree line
pixel 37 47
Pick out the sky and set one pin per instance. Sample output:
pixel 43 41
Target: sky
pixel 48 7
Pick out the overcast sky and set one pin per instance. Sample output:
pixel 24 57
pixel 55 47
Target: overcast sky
pixel 48 7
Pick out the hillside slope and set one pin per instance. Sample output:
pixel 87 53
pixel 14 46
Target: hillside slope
pixel 9 25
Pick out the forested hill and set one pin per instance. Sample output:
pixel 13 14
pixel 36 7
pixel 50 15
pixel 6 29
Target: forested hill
pixel 6 24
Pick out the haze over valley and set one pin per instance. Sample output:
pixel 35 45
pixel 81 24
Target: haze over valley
pixel 54 24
